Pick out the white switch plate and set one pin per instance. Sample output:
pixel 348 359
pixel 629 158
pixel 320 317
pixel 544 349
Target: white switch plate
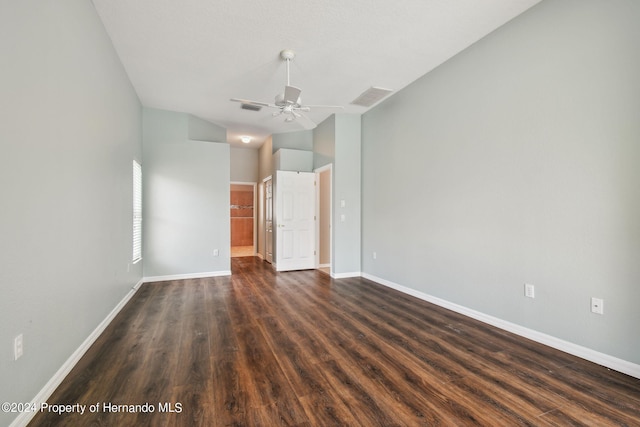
pixel 597 305
pixel 343 203
pixel 216 252
pixel 529 290
pixel 18 347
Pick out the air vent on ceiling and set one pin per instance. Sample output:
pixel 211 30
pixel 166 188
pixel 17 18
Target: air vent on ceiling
pixel 250 107
pixel 371 96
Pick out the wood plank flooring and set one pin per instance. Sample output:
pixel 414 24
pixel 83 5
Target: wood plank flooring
pixel 261 348
pixel 242 251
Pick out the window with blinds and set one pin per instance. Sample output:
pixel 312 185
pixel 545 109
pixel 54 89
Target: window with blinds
pixel 137 212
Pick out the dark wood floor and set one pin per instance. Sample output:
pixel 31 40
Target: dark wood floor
pixel 266 349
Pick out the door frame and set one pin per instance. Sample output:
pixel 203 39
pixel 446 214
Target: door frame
pixel 323 169
pixel 263 204
pixel 255 216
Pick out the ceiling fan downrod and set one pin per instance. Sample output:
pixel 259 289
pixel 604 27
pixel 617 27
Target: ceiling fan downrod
pixel 287 55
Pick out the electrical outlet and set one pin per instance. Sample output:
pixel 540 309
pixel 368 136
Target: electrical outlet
pixel 597 305
pixel 216 252
pixel 529 290
pixel 375 255
pixel 18 347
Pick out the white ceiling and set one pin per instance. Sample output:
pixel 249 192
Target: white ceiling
pixel 193 55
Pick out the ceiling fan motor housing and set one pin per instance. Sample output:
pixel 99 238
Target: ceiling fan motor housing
pixel 287 55
pixel 279 100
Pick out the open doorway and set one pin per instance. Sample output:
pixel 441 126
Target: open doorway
pixel 324 222
pixel 243 224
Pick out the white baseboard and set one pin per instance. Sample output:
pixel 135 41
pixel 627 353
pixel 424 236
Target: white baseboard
pixel 187 276
pixel 603 359
pixel 324 265
pixel 25 417
pixel 346 275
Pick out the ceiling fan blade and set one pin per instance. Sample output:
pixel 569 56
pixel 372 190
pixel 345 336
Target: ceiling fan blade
pixel 306 122
pixel 291 94
pixel 258 103
pixel 340 107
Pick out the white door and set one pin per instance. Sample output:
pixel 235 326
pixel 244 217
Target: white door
pixel 295 220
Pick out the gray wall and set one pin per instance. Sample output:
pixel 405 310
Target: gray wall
pixel 347 187
pixel 297 140
pixel 185 197
pixel 244 164
pixel 293 160
pixel 517 162
pixel 337 141
pixel 202 130
pixel 324 142
pixel 70 130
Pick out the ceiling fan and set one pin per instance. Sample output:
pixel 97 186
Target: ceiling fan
pixel 289 102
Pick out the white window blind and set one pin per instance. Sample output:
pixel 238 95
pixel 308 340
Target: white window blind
pixel 137 212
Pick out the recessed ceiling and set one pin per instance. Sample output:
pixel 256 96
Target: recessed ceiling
pixel 192 56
